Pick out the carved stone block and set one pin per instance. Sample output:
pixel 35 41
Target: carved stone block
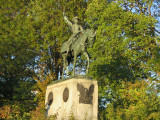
pixel 76 97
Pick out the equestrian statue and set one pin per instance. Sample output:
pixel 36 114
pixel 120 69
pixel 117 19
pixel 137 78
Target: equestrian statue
pixel 77 44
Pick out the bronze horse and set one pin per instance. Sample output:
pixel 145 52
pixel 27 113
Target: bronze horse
pixel 76 49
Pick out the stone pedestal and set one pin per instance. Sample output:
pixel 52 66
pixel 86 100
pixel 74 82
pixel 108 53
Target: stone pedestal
pixel 75 97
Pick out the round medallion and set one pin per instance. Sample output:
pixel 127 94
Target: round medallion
pixel 50 98
pixel 65 94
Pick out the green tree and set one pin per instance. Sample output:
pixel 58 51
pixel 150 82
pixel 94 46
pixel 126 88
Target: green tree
pixel 126 47
pixel 137 101
pixel 16 52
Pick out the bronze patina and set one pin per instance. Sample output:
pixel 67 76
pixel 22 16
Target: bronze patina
pixel 77 44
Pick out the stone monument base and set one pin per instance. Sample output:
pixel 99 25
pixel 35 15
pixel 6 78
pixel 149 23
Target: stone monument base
pixel 72 98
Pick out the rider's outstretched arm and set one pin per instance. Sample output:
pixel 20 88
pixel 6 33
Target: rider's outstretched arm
pixel 66 20
pixel 81 29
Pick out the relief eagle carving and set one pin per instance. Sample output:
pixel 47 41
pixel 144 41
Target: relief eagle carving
pixel 86 95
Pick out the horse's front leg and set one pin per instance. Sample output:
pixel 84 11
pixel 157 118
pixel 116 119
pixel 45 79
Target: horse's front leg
pixel 87 57
pixel 74 64
pixel 66 67
pixel 65 64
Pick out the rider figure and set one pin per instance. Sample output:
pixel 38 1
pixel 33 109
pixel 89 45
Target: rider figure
pixel 76 29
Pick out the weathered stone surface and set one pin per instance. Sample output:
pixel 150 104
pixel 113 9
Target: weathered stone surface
pixel 75 96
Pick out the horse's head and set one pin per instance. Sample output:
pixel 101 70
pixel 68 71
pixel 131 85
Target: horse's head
pixel 91 37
